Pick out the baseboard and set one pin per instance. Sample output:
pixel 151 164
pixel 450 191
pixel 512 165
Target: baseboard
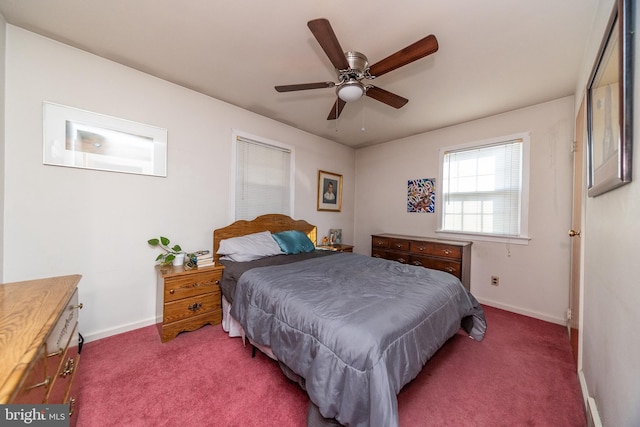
pixel 94 336
pixel 591 408
pixel 518 310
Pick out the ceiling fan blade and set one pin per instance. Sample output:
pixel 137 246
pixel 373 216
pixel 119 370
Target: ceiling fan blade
pixel 386 97
pixel 322 31
pixel 304 86
pixel 337 109
pixel 417 50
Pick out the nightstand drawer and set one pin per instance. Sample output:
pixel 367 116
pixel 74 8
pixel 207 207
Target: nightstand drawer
pixel 171 330
pixel 190 307
pixel 192 285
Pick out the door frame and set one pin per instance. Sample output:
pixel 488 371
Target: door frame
pixel 576 287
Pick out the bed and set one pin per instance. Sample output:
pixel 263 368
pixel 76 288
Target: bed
pixel 351 329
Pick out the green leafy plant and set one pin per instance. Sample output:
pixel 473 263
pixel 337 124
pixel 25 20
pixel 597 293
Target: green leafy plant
pixel 169 252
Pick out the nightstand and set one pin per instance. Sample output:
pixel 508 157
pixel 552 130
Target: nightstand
pixel 336 247
pixel 188 299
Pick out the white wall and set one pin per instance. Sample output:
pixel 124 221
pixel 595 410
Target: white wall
pixel 533 278
pixel 611 314
pixel 65 220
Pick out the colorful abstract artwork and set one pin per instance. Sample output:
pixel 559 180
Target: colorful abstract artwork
pixel 421 195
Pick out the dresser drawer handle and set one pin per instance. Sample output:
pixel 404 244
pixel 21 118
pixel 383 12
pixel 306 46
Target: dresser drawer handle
pixel 55 353
pixel 398 245
pixel 72 406
pixel 379 242
pixel 446 251
pixel 450 269
pixel 73 307
pixel 172 291
pixel 195 306
pixel 69 366
pixel 401 260
pixel 418 263
pixel 421 248
pixel 42 384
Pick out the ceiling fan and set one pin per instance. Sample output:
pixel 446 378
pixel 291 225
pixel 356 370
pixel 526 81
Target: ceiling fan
pixel 353 69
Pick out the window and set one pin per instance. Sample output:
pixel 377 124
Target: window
pixel 263 178
pixel 485 188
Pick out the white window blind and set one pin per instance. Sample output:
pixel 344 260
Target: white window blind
pixel 482 189
pixel 263 179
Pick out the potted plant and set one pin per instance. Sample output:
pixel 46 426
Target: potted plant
pixel 170 255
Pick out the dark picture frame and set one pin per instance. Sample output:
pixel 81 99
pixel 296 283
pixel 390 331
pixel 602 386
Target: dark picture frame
pixel 329 191
pixel 610 105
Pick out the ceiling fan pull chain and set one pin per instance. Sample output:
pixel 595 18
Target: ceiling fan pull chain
pixel 363 110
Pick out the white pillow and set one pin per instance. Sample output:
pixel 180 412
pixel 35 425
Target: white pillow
pixel 249 247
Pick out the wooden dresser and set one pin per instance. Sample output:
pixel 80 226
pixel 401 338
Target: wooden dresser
pixel 452 256
pixel 39 354
pixel 188 299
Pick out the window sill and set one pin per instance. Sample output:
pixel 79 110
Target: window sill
pixel 516 240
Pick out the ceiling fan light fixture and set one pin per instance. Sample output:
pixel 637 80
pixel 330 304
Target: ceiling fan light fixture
pixel 350 91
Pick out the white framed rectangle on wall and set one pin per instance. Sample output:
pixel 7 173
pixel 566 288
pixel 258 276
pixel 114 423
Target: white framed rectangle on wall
pixel 87 140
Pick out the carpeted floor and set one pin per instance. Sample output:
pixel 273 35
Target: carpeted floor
pixel 522 374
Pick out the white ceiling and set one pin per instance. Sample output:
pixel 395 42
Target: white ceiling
pixel 494 55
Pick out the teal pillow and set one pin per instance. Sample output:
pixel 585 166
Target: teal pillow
pixel 294 242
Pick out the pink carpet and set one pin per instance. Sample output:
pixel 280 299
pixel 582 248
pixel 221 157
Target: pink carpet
pixel 522 374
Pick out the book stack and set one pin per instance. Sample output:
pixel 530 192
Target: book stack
pixel 203 258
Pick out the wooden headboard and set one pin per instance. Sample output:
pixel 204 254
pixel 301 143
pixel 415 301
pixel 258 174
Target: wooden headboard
pixel 274 223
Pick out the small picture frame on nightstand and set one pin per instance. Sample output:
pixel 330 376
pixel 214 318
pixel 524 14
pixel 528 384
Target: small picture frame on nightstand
pixel 335 236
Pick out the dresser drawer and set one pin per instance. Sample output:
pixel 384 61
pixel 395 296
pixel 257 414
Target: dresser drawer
pixel 61 379
pixel 399 245
pixel 185 286
pixel 391 255
pixel 377 253
pixel 436 249
pixel 36 385
pixel 190 307
pixel 451 267
pixel 61 334
pixel 379 242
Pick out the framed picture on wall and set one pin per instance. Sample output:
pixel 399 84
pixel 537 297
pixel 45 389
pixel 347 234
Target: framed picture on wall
pixel 329 191
pixel 83 139
pixel 610 105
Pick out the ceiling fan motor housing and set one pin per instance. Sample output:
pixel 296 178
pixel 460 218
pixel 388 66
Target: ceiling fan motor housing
pixel 358 66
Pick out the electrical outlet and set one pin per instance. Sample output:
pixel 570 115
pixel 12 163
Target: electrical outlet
pixel 495 280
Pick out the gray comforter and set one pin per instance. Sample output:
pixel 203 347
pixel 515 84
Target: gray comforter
pixel 356 328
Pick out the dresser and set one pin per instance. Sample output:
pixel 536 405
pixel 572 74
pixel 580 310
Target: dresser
pixel 40 342
pixel 188 299
pixel 452 256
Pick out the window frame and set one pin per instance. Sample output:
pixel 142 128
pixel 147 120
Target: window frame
pixel 521 239
pixel 236 135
